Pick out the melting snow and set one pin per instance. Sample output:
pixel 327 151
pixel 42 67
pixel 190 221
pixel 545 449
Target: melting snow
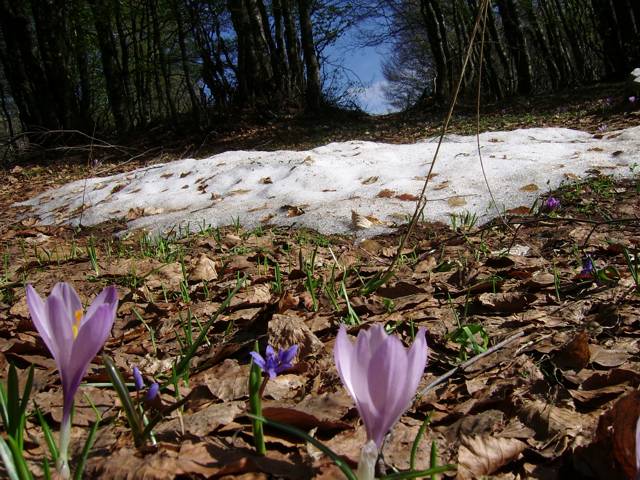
pixel 320 188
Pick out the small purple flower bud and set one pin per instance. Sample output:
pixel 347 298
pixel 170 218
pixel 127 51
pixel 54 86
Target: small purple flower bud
pixel 588 269
pixel 602 128
pixel 152 393
pixel 550 204
pixel 632 99
pixel 137 378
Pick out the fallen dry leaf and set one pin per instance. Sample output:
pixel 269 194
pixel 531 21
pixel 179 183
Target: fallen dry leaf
pixel 481 455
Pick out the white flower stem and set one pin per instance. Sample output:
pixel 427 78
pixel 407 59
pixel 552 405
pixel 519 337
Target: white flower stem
pixel 367 464
pixel 62 465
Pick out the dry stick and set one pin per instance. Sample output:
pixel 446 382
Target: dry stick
pixel 421 203
pixel 532 220
pixel 484 174
pixel 462 366
pixel 84 188
pixel 102 143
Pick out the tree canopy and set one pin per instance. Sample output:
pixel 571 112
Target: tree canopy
pixel 121 65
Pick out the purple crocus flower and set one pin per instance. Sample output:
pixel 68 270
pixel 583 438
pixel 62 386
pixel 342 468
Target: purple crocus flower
pixel 632 99
pixel 73 338
pixel 274 363
pixel 550 204
pixel 137 378
pixel 381 375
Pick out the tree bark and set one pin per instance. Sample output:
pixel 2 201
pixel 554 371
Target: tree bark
pixel 518 46
pixel 24 74
pixel 115 90
pixel 437 34
pixel 162 58
pixel 314 87
pixel 195 107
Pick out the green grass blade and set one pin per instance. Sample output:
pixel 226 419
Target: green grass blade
pixel 48 434
pixel 133 417
pixel 85 450
pixel 19 461
pixel 184 362
pixel 433 458
pixel 4 411
pixel 46 469
pixel 13 401
pixel 255 405
pixel 341 464
pixel 26 393
pixel 419 473
pixel 416 442
pixel 7 459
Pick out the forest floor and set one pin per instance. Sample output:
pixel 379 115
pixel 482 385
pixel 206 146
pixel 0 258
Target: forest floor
pixel 559 399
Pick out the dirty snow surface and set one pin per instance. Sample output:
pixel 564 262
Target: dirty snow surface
pixel 320 188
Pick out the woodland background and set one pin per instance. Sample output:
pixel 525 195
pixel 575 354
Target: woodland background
pixel 118 66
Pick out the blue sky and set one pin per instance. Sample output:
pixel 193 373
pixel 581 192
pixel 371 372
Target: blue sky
pixel 365 64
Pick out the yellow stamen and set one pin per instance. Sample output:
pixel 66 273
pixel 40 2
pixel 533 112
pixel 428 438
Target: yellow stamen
pixel 76 324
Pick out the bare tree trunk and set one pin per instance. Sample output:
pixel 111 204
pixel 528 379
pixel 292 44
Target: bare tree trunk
pixel 314 88
pixel 82 60
pixel 50 22
pixel 112 75
pixel 162 58
pixel 195 107
pixel 124 59
pixel 543 45
pixel 293 48
pixel 5 111
pixel 282 69
pixel 614 58
pixel 437 33
pixel 517 44
pixel 24 74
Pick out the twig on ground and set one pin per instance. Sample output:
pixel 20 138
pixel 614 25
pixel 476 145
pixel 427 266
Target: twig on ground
pixel 462 366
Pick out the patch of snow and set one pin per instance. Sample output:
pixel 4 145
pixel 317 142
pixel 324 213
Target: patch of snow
pixel 320 188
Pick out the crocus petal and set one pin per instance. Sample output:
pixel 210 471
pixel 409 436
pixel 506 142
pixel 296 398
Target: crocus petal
pixel 92 336
pixel 108 296
pixel 69 297
pixel 417 359
pixel 343 355
pixel 60 324
pixel 86 346
pixel 39 318
pixel 387 391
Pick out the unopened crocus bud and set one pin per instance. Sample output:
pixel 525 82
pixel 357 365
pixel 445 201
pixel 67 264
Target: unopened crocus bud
pixel 137 379
pixel 152 393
